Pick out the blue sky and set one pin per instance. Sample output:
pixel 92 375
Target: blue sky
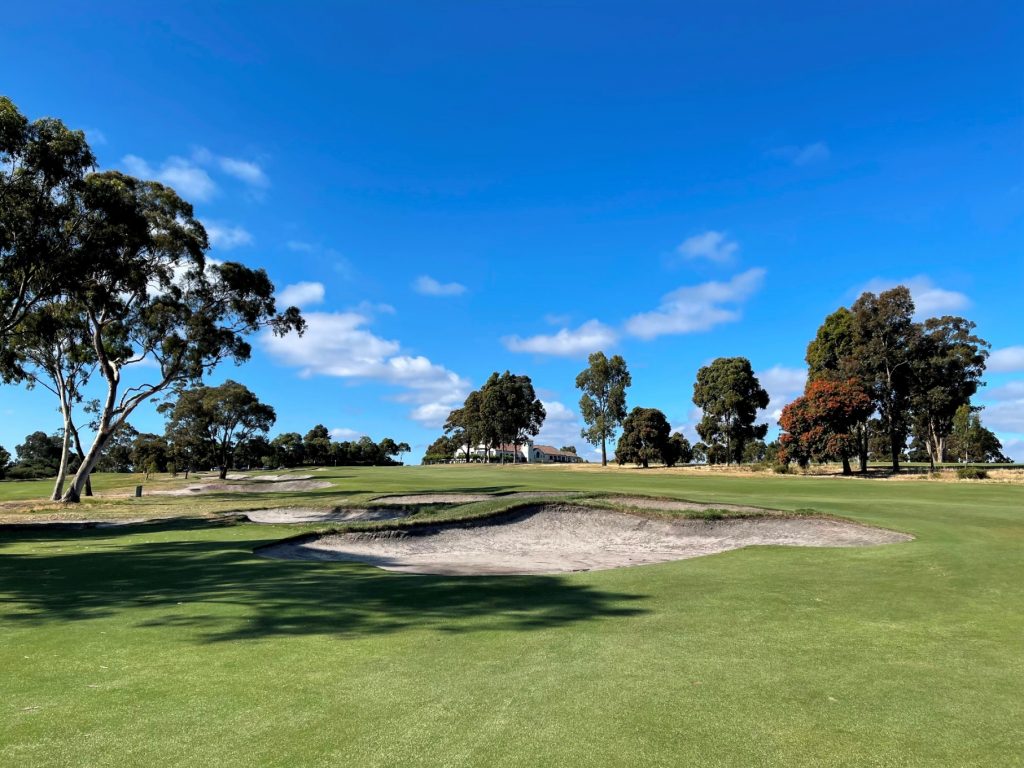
pixel 450 189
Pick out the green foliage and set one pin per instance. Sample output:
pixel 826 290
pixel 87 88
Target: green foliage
pixel 730 396
pixel 821 424
pixel 441 450
pixel 5 460
pixel 645 439
pixel 679 450
pixel 971 473
pixel 214 420
pixel 603 404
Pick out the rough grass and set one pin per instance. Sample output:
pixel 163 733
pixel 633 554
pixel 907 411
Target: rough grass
pixel 174 645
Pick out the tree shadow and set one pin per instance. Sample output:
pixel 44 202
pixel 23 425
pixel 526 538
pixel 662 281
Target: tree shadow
pixel 204 577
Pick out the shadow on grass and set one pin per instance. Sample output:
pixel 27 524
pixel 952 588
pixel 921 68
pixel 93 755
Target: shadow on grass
pixel 203 578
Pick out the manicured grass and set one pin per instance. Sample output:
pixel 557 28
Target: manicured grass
pixel 173 645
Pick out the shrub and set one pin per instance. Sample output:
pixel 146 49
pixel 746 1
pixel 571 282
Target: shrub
pixel 971 473
pixel 782 469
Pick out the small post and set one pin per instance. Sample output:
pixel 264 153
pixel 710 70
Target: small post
pixel 138 491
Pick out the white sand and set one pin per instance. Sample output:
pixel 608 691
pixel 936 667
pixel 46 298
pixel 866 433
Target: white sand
pixel 557 539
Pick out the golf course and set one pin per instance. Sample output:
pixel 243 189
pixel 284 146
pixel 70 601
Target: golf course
pixel 175 642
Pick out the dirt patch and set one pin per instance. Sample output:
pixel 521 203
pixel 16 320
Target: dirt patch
pixel 312 515
pixel 670 505
pixel 558 539
pixel 275 486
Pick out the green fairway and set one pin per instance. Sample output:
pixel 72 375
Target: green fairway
pixel 173 645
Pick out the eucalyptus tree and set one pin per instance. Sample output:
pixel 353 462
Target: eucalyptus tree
pixel 729 394
pixel 148 294
pixel 603 404
pixel 465 426
pixel 510 410
pixel 645 438
pixel 43 170
pixel 220 417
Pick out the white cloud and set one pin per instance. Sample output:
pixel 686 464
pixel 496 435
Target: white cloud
pixel 244 170
pixel 428 286
pixel 301 294
pixel 1006 360
pixel 186 178
pixel 1004 416
pixel 95 137
pixel 561 426
pixel 344 433
pixel 783 385
pixel 1012 390
pixel 227 237
pixel 300 246
pixel 698 307
pixel 589 337
pixel 710 245
pixel 804 155
pixel 338 344
pixel 929 299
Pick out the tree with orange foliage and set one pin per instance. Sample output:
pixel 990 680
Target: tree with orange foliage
pixel 821 424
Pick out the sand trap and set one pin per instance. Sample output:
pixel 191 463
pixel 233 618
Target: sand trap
pixel 465 498
pixel 312 515
pixel 557 539
pixel 670 505
pixel 270 486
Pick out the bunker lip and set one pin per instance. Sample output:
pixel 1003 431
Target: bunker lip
pixel 554 538
pixel 265 486
pixel 286 515
pixel 466 498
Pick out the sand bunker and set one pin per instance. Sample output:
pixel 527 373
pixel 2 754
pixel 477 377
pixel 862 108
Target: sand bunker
pixel 312 515
pixel 266 486
pixel 670 505
pixel 465 498
pixel 557 539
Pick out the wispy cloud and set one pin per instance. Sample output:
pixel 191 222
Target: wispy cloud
pixel 589 337
pixel 185 177
pixel 929 299
pixel 695 308
pixel 303 294
pixel 783 384
pixel 711 245
pixel 339 344
pixel 244 170
pixel 227 237
pixel 428 286
pixel 344 433
pixel 805 154
pixel 1006 360
pixel 300 246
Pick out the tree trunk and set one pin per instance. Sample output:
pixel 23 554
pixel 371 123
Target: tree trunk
pixel 894 448
pixel 62 470
pixel 846 465
pixel 604 453
pixel 223 474
pixel 74 491
pixel 862 447
pixel 81 456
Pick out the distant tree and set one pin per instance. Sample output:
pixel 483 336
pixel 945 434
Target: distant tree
pixel 403 448
pixel 971 442
pixel 510 410
pixel 5 461
pixel 441 450
pixel 368 452
pixel 118 456
pixel 730 395
pixel 252 451
pixel 221 417
pixel 288 449
pixel 947 368
pixel 886 345
pixel 341 453
pixel 465 425
pixel 700 453
pixel 832 356
pixel 645 438
pixel 568 449
pixel 679 450
pixel 40 454
pixel 317 443
pixel 821 424
pixel 603 405
pixel 150 453
pixel 755 451
pixel 387 448
pixel 43 169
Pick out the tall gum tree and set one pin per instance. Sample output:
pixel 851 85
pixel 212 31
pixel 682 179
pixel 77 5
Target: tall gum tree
pixel 603 404
pixel 148 293
pixel 729 394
